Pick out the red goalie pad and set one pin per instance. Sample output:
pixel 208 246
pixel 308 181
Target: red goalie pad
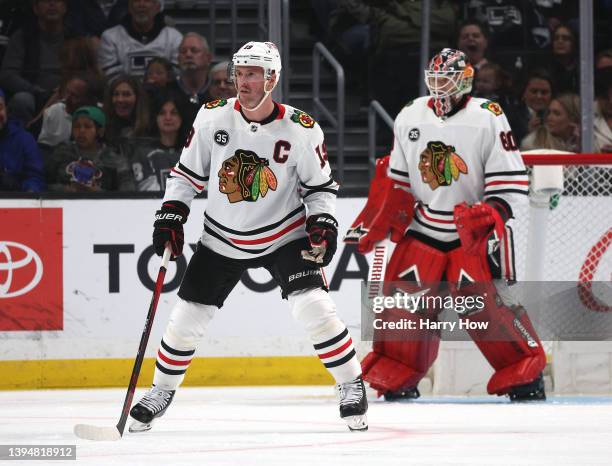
pixel 509 342
pixel 398 361
pixel 389 209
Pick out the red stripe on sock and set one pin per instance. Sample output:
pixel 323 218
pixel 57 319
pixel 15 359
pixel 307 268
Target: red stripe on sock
pixel 167 360
pixel 337 350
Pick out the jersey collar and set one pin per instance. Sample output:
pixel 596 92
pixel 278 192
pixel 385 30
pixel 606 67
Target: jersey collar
pixel 277 114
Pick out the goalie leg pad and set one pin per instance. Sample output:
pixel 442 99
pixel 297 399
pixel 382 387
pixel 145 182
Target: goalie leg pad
pixel 508 341
pixel 316 311
pixel 395 364
pixel 186 327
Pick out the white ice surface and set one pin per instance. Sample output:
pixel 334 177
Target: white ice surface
pixel 293 426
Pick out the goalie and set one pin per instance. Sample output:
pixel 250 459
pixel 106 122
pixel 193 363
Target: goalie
pixel 445 195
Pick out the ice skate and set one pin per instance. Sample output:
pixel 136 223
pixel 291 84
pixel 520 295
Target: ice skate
pixel 353 404
pixel 403 394
pixel 153 405
pixel 532 391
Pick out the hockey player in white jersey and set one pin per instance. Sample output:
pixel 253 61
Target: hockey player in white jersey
pixel 453 177
pixel 271 201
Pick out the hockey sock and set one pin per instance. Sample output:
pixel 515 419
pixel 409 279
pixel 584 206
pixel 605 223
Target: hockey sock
pixel 186 327
pixel 315 310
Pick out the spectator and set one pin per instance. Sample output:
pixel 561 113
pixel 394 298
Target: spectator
pixel 561 130
pixel 93 17
pixel 349 40
pixel 511 23
pixel 603 111
pixel 528 115
pixel 30 69
pixel 142 35
pixel 493 83
pixel 76 92
pixel 126 106
pixel 152 160
pixel 21 165
pixel 473 40
pixel 220 85
pixel 159 76
pixel 86 164
pixel 603 59
pixel 194 60
pixel 80 55
pixel 563 65
pixel 395 32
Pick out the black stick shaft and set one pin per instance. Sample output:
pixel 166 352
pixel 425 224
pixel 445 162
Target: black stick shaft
pixel 146 332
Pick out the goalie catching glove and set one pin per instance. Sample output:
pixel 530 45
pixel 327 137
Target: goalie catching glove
pixel 389 209
pixel 322 232
pixel 475 224
pixel 168 227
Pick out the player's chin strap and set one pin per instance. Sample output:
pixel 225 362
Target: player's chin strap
pixel 265 96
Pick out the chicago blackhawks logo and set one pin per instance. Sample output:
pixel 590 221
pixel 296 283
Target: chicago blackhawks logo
pixel 439 165
pixel 244 177
pixel 215 103
pixel 492 107
pixel 303 119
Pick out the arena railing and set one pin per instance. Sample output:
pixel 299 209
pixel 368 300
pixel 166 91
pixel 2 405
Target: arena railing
pixel 319 52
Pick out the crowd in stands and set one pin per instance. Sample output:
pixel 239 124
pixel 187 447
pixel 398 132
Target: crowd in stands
pixel 525 53
pixel 98 95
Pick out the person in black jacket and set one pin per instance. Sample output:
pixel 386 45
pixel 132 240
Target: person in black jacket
pixel 31 70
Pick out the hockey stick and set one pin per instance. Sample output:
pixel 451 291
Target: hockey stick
pixel 378 268
pixel 90 432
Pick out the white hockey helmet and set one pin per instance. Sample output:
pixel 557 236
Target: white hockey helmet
pixel 449 74
pixel 262 54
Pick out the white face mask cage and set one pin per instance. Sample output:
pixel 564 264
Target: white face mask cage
pixel 447 83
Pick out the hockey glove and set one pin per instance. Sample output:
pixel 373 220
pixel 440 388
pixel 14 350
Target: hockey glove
pixel 394 218
pixel 168 227
pixel 322 232
pixel 475 224
pixel 376 196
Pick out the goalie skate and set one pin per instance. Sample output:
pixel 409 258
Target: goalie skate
pixel 353 404
pixel 152 406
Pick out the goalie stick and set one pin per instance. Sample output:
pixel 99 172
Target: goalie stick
pixel 89 432
pixel 376 277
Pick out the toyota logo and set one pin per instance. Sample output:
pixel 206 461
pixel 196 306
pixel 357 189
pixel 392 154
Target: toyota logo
pixel 10 266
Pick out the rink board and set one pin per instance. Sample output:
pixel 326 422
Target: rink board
pixel 88 336
pixel 80 323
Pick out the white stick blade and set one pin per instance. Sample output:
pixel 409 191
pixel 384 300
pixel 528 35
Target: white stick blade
pixel 96 433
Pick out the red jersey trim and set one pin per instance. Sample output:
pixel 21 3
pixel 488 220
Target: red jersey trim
pixel 198 186
pixel 267 239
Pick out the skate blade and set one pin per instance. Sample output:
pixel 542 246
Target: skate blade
pixel 137 426
pixel 357 423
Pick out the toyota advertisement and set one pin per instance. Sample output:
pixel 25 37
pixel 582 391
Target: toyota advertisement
pixel 31 274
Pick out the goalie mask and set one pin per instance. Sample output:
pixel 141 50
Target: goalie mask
pixel 262 54
pixel 448 77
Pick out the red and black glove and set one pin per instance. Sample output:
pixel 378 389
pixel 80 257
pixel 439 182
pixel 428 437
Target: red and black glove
pixel 322 232
pixel 475 224
pixel 168 227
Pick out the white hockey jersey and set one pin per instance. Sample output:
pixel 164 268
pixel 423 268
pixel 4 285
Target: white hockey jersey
pixel 262 178
pixel 470 156
pixel 120 52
